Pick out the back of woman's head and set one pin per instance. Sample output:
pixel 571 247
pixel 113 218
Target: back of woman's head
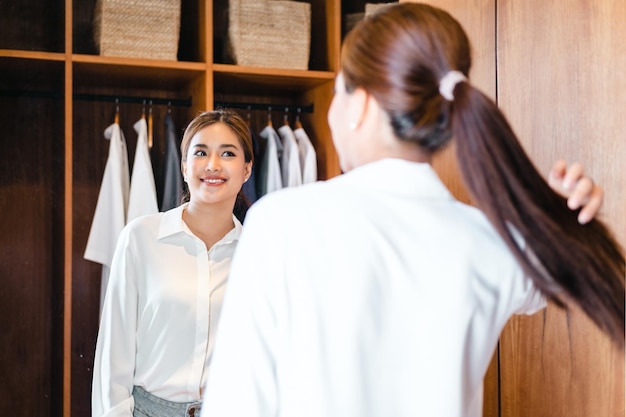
pixel 399 55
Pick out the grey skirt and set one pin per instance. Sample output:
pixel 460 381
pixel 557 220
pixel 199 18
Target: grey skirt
pixel 148 405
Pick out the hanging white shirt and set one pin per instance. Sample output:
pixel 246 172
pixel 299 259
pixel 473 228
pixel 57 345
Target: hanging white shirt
pixel 143 198
pixel 272 175
pixel 364 296
pixel 160 313
pixel 290 161
pixel 110 215
pixel 308 156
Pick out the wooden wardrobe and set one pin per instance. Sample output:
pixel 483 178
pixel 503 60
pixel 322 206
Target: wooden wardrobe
pixel 556 68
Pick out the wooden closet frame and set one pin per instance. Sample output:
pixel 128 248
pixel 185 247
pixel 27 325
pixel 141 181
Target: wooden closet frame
pixel 313 86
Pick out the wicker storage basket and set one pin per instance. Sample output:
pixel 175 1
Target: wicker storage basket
pixel 351 19
pixel 270 33
pixel 137 28
pixel 374 7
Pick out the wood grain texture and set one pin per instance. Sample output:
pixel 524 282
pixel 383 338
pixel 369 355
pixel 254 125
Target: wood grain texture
pixel 31 261
pixel 561 83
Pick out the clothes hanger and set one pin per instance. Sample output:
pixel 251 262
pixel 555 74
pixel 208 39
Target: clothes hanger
pixel 286 117
pixel 298 124
pixel 116 119
pixel 269 116
pixel 150 126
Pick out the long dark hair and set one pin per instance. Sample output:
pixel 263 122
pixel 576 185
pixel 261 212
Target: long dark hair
pixel 399 55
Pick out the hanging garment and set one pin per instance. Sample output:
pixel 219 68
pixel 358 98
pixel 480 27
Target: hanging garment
pixel 142 199
pixel 110 215
pixel 173 178
pixel 270 178
pixel 290 161
pixel 249 187
pixel 308 156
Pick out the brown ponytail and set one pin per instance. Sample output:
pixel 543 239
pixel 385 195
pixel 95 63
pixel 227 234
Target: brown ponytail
pixel 584 261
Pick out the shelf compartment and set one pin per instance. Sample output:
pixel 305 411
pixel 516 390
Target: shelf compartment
pixel 27 76
pixel 324 34
pixel 33 25
pixel 190 46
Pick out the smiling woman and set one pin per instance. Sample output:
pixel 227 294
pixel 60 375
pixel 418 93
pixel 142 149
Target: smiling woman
pixel 168 280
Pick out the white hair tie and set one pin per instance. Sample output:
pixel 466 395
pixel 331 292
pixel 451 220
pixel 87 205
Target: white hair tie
pixel 448 82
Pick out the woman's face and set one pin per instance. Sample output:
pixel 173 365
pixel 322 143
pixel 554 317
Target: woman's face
pixel 215 166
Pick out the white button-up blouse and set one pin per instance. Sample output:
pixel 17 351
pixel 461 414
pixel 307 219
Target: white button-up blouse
pixel 375 293
pixel 160 313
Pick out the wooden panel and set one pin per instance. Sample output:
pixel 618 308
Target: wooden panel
pixel 319 131
pixel 34 25
pixel 31 261
pixel 561 82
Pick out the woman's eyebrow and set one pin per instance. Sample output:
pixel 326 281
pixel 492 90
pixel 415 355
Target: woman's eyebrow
pixel 221 146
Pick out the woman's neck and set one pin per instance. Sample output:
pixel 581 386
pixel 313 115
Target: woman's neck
pixel 210 223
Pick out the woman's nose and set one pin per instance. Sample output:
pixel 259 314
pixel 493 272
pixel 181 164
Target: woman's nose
pixel 213 163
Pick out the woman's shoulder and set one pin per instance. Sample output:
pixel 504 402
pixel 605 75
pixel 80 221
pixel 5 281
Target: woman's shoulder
pixel 145 221
pixel 142 227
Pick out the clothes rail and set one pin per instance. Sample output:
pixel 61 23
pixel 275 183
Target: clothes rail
pixel 259 106
pixel 181 102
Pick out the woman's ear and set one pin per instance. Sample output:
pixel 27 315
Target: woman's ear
pixel 357 108
pixel 247 171
pixel 183 168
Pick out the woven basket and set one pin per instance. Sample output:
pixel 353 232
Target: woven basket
pixel 270 33
pixel 371 8
pixel 137 28
pixel 351 19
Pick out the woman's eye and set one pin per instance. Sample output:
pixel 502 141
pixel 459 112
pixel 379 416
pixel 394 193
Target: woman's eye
pixel 199 153
pixel 228 153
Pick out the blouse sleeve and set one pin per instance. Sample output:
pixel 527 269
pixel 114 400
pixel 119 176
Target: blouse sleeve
pixel 114 363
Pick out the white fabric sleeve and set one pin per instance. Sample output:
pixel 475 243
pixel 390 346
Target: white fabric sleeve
pixel 114 363
pixel 534 300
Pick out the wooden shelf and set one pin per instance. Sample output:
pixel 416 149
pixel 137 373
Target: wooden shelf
pixel 35 55
pixel 239 79
pixel 136 62
pixel 98 71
